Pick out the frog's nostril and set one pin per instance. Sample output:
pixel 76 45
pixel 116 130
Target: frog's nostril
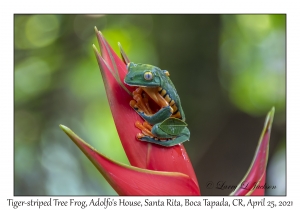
pixel 131 78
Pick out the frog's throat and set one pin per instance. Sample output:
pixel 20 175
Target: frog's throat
pixel 156 97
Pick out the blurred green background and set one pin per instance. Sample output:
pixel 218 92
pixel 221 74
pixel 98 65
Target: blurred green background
pixel 229 71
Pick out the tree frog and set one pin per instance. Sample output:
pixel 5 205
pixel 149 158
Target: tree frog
pixel 166 125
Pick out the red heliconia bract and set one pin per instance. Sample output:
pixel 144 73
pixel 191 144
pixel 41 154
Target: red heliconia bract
pixel 130 180
pixel 255 179
pixel 154 169
pixel 140 154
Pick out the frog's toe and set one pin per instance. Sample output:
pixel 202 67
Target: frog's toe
pixel 133 104
pixel 168 110
pixel 139 136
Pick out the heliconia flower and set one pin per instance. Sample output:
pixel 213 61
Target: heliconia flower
pixel 153 169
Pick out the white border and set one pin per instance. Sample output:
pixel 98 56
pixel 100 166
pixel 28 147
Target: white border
pixel 130 6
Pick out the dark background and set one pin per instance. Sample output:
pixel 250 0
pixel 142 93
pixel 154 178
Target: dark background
pixel 229 71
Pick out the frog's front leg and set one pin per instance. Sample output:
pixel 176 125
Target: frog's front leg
pixel 162 138
pixel 160 116
pixel 141 106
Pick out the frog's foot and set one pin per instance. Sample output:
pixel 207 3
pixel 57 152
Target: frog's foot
pixel 157 96
pixel 146 134
pixel 145 128
pixel 165 139
pixel 141 106
pixel 145 98
pixel 140 102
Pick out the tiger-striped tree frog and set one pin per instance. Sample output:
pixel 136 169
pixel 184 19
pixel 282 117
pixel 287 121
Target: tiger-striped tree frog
pixel 166 125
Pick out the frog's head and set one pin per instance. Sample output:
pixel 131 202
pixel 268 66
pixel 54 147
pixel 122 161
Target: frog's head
pixel 143 75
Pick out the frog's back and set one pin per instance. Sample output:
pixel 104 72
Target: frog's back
pixel 168 91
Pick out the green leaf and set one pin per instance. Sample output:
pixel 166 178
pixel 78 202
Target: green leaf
pixel 172 126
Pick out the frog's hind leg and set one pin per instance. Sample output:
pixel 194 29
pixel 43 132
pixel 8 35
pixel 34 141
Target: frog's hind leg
pixel 165 143
pixel 140 103
pixel 165 139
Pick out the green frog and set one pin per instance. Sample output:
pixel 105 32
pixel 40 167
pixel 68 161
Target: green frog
pixel 166 126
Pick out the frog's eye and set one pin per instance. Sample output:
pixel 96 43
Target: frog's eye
pixel 148 75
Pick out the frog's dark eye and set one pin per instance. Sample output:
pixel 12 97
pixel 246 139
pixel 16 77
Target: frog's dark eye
pixel 148 75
